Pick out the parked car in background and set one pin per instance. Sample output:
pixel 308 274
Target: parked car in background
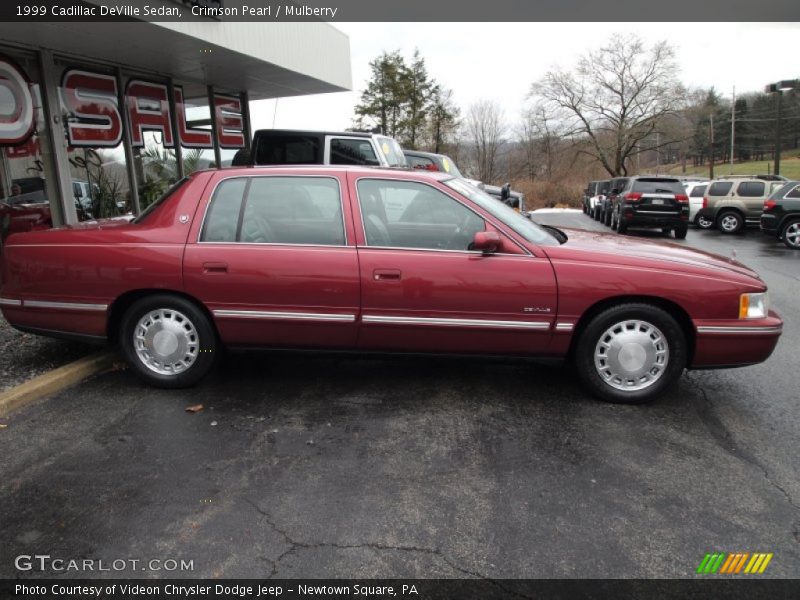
pixel 732 203
pixel 654 202
pixel 606 205
pixel 359 259
pixel 85 195
pixel 588 193
pixel 695 190
pixel 292 147
pixel 781 216
pixel 601 191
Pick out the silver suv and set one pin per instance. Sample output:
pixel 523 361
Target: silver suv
pixel 731 203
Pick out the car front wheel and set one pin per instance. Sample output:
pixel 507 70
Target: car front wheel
pixel 168 341
pixel 791 234
pixel 630 353
pixel 703 222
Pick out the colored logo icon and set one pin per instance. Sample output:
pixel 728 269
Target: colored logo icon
pixel 734 563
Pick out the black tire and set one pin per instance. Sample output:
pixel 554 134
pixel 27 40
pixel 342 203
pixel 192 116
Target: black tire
pixel 200 341
pixel 622 226
pixel 703 222
pixel 607 217
pixel 790 234
pixel 730 222
pixel 666 230
pixel 647 316
pixel 681 231
pixel 596 213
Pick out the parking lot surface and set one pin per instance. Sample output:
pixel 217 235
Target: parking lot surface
pixel 331 466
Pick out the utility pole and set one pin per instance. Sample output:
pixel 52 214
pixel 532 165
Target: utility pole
pixel 778 134
pixel 711 148
pixel 733 125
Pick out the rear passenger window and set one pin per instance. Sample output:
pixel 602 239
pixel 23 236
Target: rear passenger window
pixel 751 189
pixel 287 150
pixel 658 186
pixel 223 214
pixel 698 191
pixel 720 188
pixel 276 210
pixel 795 193
pixel 352 152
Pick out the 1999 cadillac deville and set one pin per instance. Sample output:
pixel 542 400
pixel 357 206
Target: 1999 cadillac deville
pixel 363 259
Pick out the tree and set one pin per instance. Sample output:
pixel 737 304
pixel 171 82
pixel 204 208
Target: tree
pixel 443 119
pixel 485 128
pixel 420 92
pixel 383 102
pixel 616 97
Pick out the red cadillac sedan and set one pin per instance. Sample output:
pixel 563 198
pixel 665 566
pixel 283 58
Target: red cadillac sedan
pixel 372 260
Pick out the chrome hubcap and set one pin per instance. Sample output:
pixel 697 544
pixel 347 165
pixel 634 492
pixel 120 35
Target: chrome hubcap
pixel 166 341
pixel 704 222
pixel 792 235
pixel 729 223
pixel 631 355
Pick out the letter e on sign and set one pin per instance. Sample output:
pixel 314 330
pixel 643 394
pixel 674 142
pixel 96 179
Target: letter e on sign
pixel 148 110
pixel 16 104
pixel 91 101
pixel 230 125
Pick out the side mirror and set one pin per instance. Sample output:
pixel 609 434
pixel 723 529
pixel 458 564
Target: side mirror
pixel 505 192
pixel 486 241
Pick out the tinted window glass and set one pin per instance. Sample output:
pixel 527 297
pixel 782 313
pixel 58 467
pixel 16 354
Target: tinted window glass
pixel 293 210
pixel 407 214
pixel 352 152
pixel 288 150
pixel 658 186
pixel 751 189
pixel 698 191
pixel 603 187
pixel 222 219
pixel 794 193
pixel 421 162
pixel 720 188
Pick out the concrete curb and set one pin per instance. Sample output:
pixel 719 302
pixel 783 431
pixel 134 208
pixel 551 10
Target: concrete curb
pixel 54 381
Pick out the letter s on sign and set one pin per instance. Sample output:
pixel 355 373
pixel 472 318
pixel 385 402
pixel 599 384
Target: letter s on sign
pixel 91 99
pixel 16 104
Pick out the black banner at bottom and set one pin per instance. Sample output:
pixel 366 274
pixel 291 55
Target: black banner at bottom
pixel 415 589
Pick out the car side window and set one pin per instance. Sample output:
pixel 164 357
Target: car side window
pixel 720 188
pixel 352 152
pixel 223 214
pixel 276 210
pixel 421 162
pixel 408 214
pixel 751 189
pixel 794 192
pixel 287 150
pixel 698 191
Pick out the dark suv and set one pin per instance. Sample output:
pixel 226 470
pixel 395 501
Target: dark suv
pixel 651 202
pixel 781 216
pixel 606 205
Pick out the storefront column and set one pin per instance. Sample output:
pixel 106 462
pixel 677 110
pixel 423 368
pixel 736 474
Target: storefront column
pixel 136 207
pixel 59 182
pixel 244 98
pixel 213 110
pixel 174 123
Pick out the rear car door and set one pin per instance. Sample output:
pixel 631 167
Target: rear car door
pixel 274 261
pixel 752 194
pixel 423 289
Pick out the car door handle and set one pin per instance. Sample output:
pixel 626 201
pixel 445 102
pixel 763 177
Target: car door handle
pixel 215 267
pixel 386 274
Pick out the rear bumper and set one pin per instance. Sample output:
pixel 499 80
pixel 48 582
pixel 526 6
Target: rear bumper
pixel 769 224
pixel 735 343
pixel 643 218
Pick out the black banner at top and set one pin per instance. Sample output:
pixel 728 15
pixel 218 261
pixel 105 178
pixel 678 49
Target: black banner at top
pixel 400 10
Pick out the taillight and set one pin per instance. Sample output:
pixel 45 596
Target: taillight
pixel 432 168
pixel 682 198
pixel 770 204
pixel 633 196
pixel 705 201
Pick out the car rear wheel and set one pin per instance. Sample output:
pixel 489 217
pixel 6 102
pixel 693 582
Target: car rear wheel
pixel 680 232
pixel 168 341
pixel 630 353
pixel 703 222
pixel 607 219
pixel 622 226
pixel 730 221
pixel 791 234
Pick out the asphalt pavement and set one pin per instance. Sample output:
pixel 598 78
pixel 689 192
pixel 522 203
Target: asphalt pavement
pixel 329 466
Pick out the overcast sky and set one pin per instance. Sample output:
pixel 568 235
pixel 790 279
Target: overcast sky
pixel 500 60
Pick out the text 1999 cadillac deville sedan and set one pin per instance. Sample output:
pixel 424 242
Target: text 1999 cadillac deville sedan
pixel 363 259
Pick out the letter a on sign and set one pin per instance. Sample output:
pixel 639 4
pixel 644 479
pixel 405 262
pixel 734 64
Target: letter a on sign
pixel 148 110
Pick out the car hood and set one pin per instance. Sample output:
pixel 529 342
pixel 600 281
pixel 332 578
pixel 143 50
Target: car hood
pixel 618 249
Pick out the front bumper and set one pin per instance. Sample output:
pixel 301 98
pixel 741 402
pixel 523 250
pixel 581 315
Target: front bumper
pixel 735 342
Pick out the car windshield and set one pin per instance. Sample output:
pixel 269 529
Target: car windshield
pixel 525 227
pixel 391 151
pixel 450 167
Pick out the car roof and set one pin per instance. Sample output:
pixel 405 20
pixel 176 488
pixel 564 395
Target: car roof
pixel 423 154
pixel 365 170
pixel 362 134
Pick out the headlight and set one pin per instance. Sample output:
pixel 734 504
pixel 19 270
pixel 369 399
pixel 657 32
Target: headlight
pixel 753 306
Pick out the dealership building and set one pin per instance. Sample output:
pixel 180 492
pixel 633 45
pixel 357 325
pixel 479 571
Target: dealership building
pixel 99 119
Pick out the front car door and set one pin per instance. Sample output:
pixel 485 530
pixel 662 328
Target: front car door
pixel 424 290
pixel 274 260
